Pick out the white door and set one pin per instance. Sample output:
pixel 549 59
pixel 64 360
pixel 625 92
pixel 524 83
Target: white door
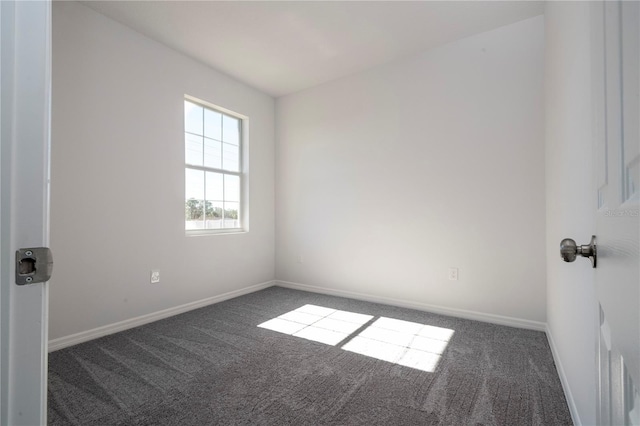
pixel 25 70
pixel 616 83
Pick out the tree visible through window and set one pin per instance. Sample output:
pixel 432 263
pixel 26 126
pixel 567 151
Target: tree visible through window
pixel 213 168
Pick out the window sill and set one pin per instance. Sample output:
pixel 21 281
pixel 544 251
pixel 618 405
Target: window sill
pixel 206 232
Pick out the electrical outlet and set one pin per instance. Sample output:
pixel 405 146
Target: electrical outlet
pixel 155 276
pixel 453 274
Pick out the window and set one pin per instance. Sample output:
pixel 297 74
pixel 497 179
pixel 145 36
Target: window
pixel 213 169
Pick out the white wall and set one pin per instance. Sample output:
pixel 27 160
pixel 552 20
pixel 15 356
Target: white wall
pixel 387 178
pixel 571 306
pixel 118 174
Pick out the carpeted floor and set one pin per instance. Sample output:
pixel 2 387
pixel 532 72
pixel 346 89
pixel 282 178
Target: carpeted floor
pixel 215 366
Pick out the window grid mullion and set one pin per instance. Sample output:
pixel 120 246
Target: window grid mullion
pixel 222 141
pixel 224 201
pixel 203 163
pixel 204 176
pixel 205 200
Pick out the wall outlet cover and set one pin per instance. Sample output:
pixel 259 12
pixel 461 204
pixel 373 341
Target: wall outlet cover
pixel 453 274
pixel 155 276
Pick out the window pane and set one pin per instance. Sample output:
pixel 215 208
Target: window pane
pixel 231 188
pixel 231 215
pixel 194 199
pixel 214 215
pixel 231 210
pixel 212 124
pixel 212 153
pixel 214 187
pixel 192 118
pixel 230 160
pixel 194 187
pixel 193 149
pixel 230 130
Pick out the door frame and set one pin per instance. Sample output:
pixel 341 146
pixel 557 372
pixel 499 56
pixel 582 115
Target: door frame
pixel 25 74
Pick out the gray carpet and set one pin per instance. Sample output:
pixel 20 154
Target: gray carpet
pixel 214 366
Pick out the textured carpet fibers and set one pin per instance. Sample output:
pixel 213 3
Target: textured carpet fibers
pixel 215 366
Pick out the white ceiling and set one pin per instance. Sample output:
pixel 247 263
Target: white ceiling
pixel 282 47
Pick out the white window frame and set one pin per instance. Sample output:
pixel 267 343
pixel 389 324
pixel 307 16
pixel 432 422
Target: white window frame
pixel 242 173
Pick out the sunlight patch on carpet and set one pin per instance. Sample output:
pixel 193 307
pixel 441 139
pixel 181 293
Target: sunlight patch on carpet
pixel 317 323
pixel 400 342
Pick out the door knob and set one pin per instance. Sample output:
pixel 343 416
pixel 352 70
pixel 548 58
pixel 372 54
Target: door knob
pixel 569 250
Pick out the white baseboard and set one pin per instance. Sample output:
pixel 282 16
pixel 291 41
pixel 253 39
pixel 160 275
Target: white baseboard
pixel 573 409
pixel 84 336
pixel 460 313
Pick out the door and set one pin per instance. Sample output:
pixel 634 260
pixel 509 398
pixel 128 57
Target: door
pixel 616 84
pixel 25 70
